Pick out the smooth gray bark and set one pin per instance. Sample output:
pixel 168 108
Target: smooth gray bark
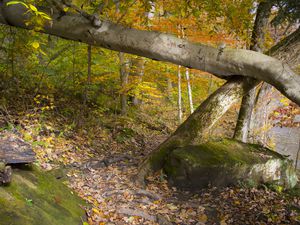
pixel 257 43
pixel 165 47
pixel 196 127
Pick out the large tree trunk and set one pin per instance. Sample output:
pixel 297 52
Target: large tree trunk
pixel 222 63
pixel 195 129
pixel 257 42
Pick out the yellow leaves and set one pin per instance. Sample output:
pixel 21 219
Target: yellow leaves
pixel 16 2
pixel 285 101
pixel 172 207
pixel 98 212
pixel 237 202
pixel 33 8
pixel 37 19
pixel 202 218
pixel 223 222
pixel 35 45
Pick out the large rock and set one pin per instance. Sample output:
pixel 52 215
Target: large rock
pixel 228 162
pixel 34 198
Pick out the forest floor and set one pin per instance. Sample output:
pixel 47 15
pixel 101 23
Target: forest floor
pixel 100 166
pixel 116 200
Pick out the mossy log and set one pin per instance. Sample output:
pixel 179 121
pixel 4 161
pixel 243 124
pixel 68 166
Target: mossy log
pixel 34 198
pixel 228 162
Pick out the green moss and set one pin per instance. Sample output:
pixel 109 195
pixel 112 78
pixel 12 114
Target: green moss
pixel 158 158
pixel 227 152
pixel 228 162
pixel 35 198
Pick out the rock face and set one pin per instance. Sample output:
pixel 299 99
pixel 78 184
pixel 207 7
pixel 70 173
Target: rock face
pixel 228 162
pixel 35 198
pixel 14 150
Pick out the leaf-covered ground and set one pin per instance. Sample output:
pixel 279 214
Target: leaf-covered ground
pixel 100 169
pixel 116 200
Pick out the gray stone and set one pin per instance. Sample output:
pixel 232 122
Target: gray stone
pixel 228 162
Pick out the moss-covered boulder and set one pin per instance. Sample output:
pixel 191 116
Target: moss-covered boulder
pixel 228 162
pixel 34 198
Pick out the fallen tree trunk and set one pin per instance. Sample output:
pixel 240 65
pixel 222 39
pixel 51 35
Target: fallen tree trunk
pixel 223 63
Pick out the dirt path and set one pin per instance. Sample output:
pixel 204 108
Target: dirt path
pixel 107 185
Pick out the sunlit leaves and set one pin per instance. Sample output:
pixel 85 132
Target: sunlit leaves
pixel 17 2
pixel 38 18
pixel 35 45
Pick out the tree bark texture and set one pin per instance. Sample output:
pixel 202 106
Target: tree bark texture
pixel 164 47
pixel 195 129
pixel 257 43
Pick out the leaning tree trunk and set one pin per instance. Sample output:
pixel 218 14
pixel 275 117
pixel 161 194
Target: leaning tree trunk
pixel 257 42
pixel 223 63
pixel 286 50
pixel 195 129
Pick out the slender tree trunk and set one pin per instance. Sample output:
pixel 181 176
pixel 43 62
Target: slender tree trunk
pixel 189 90
pixel 139 73
pixel 179 100
pixel 73 63
pixel 88 81
pixel 210 84
pixel 257 42
pixel 169 89
pixel 124 82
